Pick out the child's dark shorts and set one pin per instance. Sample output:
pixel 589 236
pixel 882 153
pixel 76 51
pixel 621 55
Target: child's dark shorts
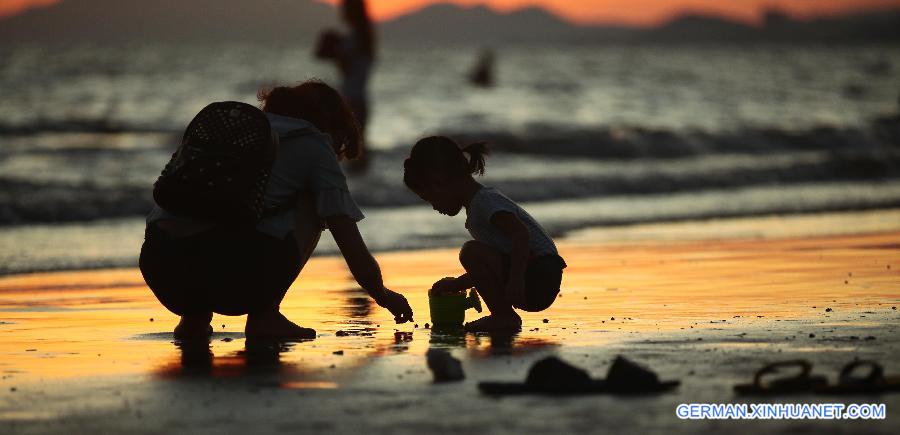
pixel 543 277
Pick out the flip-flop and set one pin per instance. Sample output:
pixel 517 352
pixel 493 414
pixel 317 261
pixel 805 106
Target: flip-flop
pixel 554 376
pixel 873 382
pixel 803 382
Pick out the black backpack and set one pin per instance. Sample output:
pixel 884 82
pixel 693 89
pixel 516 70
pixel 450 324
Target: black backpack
pixel 220 171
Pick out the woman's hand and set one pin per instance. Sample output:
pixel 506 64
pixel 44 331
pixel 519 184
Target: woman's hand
pixel 396 304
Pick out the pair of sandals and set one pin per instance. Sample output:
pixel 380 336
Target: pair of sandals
pixel 850 381
pixel 553 376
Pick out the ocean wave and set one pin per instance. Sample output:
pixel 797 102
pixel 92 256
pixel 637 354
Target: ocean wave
pixel 89 183
pixel 117 242
pixel 70 125
pixel 640 142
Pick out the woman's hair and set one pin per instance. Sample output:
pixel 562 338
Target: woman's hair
pixel 442 155
pixel 320 104
pixel 357 15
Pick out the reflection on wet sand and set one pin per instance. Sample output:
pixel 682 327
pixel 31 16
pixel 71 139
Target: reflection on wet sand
pixel 358 305
pixel 259 360
pixel 483 345
pixel 98 323
pixel 274 363
pixel 195 358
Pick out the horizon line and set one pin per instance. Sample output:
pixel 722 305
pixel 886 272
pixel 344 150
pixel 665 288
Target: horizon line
pixel 755 21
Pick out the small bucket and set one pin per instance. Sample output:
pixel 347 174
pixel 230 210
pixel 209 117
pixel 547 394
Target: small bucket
pixel 449 310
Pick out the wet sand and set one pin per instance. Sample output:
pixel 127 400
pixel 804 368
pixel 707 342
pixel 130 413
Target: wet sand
pixel 92 352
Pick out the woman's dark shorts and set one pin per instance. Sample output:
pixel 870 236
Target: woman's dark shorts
pixel 543 277
pixel 230 271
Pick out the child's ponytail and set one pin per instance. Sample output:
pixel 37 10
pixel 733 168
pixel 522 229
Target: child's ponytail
pixel 477 152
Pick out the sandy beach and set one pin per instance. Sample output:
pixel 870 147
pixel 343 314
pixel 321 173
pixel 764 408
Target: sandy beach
pixel 706 303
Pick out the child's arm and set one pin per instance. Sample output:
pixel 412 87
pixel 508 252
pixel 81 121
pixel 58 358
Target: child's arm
pixel 513 228
pixel 453 285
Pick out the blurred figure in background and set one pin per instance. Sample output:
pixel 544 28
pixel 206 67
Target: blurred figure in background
pixel 482 74
pixel 354 55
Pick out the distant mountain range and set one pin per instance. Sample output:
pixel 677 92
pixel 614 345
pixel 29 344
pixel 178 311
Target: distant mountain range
pixel 289 21
pixel 169 20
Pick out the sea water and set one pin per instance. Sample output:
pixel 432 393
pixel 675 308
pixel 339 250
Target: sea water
pixel 583 135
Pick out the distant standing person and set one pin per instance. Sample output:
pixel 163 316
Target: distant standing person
pixel 482 74
pixel 354 55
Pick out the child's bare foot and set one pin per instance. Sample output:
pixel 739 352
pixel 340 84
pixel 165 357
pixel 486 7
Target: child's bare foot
pixel 274 325
pixel 495 322
pixel 193 327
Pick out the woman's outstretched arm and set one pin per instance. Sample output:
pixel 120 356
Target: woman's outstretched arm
pixel 365 269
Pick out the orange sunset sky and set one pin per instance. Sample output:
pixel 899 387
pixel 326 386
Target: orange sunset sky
pixel 635 12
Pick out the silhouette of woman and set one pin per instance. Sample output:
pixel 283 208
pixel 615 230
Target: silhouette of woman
pixel 197 267
pixel 354 56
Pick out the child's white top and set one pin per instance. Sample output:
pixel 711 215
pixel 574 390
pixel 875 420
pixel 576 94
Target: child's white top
pixel 488 201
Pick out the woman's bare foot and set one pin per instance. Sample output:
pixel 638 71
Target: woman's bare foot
pixel 273 324
pixel 495 322
pixel 194 326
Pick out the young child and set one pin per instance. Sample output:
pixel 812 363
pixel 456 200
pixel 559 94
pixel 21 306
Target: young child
pixel 512 262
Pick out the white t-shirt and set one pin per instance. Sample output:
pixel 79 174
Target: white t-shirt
pixel 305 162
pixel 489 201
